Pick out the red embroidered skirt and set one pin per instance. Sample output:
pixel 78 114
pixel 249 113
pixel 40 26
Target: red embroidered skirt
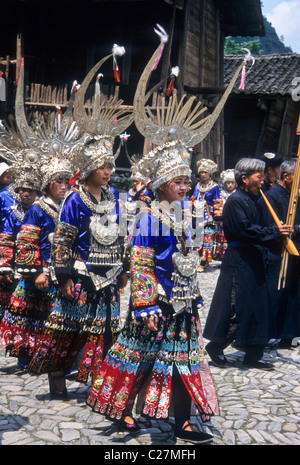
pixel 145 359
pixel 23 322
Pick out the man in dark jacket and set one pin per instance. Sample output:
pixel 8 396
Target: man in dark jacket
pixel 272 170
pixel 239 308
pixel 284 303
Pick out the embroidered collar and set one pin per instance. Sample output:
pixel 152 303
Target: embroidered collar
pixel 207 188
pixel 178 228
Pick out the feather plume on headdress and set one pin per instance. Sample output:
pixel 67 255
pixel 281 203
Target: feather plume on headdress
pixel 103 122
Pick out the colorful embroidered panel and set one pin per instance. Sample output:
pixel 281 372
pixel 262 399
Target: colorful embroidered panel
pixel 28 251
pixel 143 280
pixel 6 250
pixel 142 358
pixel 64 237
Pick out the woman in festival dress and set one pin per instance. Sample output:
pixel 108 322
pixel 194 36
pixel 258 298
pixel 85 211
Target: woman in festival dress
pixel 87 254
pixel 33 258
pixel 19 323
pixel 140 191
pixel 229 184
pixel 227 188
pixel 138 197
pixel 50 171
pixel 157 341
pixel 160 346
pixel 8 197
pixel 207 191
pixel 7 200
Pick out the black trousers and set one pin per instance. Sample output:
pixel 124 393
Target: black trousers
pixel 253 352
pixel 181 400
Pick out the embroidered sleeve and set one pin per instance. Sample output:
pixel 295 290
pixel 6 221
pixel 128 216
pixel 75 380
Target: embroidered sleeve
pixel 64 236
pixel 28 252
pixel 7 244
pixel 144 291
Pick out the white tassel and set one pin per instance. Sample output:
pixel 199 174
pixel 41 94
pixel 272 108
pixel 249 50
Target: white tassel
pixel 175 71
pixel 118 50
pixel 162 34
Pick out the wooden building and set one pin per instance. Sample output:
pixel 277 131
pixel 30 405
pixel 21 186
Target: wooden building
pixel 61 40
pixel 263 117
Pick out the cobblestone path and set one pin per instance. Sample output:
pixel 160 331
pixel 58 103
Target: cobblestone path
pixel 257 407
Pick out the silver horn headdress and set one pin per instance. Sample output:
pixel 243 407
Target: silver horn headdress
pixel 54 141
pixel 23 160
pixel 176 126
pixel 103 120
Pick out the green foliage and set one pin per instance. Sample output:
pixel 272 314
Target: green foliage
pixel 232 47
pixel 268 44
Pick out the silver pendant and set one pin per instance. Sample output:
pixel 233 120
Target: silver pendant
pixel 105 235
pixel 186 264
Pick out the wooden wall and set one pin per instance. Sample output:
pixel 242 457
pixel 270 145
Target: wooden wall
pixel 258 124
pixel 203 67
pixel 197 44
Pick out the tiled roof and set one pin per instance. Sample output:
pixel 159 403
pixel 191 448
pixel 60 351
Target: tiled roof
pixel 270 75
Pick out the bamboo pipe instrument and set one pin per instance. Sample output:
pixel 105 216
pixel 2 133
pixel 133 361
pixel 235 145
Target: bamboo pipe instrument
pixel 290 246
pixel 290 219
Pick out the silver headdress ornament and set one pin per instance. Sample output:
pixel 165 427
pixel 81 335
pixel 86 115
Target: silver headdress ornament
pixel 227 175
pixel 53 142
pixel 104 121
pixel 139 169
pixel 176 127
pixel 22 160
pixel 207 165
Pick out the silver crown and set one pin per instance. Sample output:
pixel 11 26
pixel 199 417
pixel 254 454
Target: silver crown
pixel 207 165
pixel 54 141
pixel 176 127
pixel 227 175
pixel 23 161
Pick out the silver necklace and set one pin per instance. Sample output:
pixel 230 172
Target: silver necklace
pixel 104 206
pixel 47 209
pixel 103 234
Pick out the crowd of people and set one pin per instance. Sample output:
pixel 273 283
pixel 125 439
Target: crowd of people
pixel 70 244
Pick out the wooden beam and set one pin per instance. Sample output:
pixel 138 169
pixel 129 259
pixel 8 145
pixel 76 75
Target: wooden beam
pixel 204 90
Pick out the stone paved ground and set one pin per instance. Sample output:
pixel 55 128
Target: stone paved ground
pixel 256 407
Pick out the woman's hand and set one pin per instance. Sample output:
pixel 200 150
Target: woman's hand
pixel 7 278
pixel 151 322
pixel 122 282
pixel 41 282
pixel 67 288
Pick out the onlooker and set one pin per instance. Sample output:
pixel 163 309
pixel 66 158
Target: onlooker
pixel 239 308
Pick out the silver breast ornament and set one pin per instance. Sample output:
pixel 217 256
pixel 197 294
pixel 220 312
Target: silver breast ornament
pixel 186 264
pixel 105 235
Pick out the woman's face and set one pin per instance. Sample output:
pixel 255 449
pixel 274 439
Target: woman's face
pixel 204 176
pixel 138 185
pixel 5 179
pixel 58 189
pixel 27 196
pixel 100 176
pixel 174 190
pixel 230 186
